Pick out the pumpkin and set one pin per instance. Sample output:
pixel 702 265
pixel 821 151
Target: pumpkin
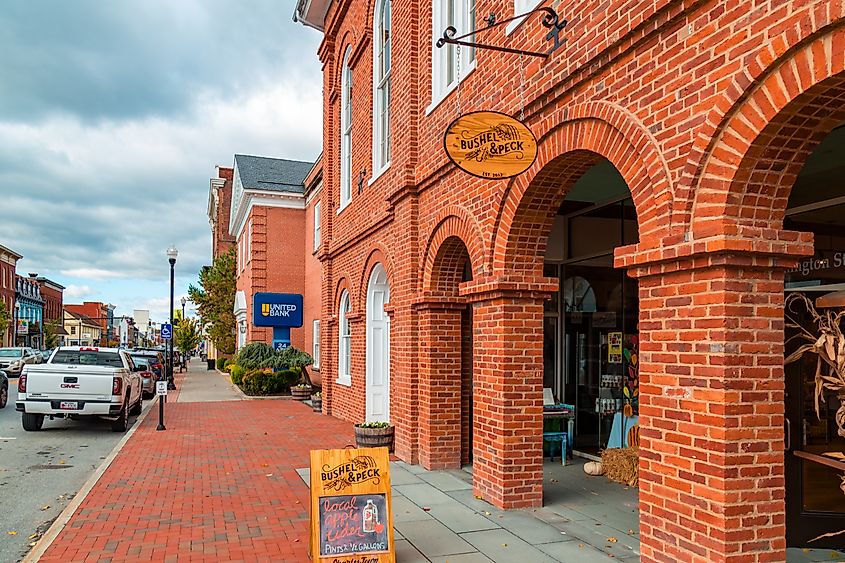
pixel 593 468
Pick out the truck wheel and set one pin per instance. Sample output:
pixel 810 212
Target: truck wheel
pixel 122 421
pixel 32 422
pixel 138 407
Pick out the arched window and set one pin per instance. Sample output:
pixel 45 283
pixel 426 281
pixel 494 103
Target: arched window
pixel 346 131
pixel 344 345
pixel 381 87
pixel 459 14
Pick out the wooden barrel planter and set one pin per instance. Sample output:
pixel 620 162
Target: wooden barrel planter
pixel 374 437
pixel 317 403
pixel 300 394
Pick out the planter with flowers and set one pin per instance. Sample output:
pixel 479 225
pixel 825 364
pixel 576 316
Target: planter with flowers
pixel 374 435
pixel 317 401
pixel 301 392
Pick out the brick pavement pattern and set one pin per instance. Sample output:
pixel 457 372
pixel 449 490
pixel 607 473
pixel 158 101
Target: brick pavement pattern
pixel 218 485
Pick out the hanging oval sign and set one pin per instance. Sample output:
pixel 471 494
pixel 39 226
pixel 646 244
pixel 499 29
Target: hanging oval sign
pixel 490 145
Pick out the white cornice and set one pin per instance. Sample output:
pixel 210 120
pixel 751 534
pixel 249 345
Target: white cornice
pixel 314 192
pixel 261 198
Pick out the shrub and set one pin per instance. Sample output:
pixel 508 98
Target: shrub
pixel 255 355
pixel 237 373
pixel 221 362
pixel 265 382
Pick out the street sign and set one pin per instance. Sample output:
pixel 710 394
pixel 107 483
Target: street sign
pixel 166 331
pixel 161 388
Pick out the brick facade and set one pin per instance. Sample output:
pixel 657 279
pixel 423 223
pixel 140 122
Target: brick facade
pixel 708 110
pixel 8 263
pixel 219 204
pixel 52 293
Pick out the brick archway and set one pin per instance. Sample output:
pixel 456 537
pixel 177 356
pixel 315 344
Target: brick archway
pixel 454 228
pixel 745 173
pixel 445 324
pixel 565 153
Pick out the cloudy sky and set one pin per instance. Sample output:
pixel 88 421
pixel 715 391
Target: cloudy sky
pixel 113 116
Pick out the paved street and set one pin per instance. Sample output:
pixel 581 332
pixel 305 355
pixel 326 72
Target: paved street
pixel 41 471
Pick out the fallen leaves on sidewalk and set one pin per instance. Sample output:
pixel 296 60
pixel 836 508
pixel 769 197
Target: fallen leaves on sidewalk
pixel 12 533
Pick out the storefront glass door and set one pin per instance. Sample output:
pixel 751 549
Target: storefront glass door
pixel 815 446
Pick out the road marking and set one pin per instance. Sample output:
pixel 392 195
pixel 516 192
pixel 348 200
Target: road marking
pixel 13 438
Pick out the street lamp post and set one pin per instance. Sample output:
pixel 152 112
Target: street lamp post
pixel 183 307
pixel 172 253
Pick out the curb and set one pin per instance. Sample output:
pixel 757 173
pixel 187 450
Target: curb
pixel 64 517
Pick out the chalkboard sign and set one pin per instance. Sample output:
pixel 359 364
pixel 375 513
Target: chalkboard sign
pixel 353 524
pixel 351 511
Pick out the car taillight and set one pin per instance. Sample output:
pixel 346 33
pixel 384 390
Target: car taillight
pixel 116 386
pixel 22 383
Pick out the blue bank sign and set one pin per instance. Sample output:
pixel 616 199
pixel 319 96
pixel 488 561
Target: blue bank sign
pixel 277 309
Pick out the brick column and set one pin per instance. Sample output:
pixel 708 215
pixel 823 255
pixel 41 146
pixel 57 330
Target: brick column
pixel 439 384
pixel 508 389
pixel 712 396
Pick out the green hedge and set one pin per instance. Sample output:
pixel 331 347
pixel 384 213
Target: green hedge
pixel 263 382
pixel 220 363
pixel 237 373
pixel 258 355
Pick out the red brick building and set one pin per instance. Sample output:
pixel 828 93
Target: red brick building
pixel 268 222
pixel 52 293
pixel 688 178
pixel 8 264
pixel 219 205
pixel 101 313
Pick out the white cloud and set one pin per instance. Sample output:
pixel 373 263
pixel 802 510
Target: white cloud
pixel 76 291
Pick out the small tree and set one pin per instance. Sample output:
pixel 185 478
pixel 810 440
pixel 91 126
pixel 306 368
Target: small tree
pixel 215 300
pixel 186 335
pixel 4 322
pixel 51 334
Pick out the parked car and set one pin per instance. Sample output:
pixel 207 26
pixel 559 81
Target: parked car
pixel 45 354
pixel 12 360
pixel 153 359
pixel 148 378
pixel 4 389
pixel 80 381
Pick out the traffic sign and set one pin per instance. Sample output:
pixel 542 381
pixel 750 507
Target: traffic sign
pixel 161 388
pixel 167 331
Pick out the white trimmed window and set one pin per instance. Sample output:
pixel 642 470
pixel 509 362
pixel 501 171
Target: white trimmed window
pixel 459 14
pixel 315 346
pixel 381 87
pixel 346 131
pixel 521 7
pixel 344 356
pixel 317 225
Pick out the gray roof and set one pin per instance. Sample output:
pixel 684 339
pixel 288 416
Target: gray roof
pixel 275 174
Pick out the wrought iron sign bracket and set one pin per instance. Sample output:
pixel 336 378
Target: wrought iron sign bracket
pixel 549 20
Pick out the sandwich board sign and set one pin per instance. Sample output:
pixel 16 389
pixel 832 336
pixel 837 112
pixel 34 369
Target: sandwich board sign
pixel 351 507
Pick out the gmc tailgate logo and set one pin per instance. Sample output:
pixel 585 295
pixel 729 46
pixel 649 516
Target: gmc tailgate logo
pixel 70 386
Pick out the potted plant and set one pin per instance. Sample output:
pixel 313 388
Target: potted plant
pixel 374 435
pixel 301 391
pixel 317 401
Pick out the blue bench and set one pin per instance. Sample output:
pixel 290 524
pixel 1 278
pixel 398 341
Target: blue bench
pixel 556 438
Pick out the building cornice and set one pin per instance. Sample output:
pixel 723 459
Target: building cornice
pixel 261 198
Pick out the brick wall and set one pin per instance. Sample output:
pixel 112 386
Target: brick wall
pixel 311 299
pixel 221 240
pixel 707 110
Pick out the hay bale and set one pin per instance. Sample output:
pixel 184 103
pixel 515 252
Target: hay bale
pixel 621 465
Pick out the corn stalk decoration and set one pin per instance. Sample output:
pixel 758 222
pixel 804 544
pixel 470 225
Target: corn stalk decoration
pixel 828 345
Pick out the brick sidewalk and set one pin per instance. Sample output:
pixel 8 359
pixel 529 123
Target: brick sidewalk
pixel 218 485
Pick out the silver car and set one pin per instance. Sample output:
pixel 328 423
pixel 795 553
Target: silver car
pixel 12 360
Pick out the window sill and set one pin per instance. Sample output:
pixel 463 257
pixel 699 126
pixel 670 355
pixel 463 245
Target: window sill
pixel 343 206
pixel 378 174
pixel 511 27
pixel 445 94
pixel 344 382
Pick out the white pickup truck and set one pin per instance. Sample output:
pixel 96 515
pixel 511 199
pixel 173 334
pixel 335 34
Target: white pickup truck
pixel 80 381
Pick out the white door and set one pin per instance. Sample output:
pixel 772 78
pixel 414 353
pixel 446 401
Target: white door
pixel 378 348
